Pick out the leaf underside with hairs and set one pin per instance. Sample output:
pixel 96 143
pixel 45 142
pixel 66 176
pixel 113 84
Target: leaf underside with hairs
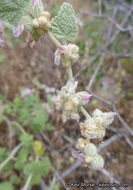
pixel 64 25
pixel 12 10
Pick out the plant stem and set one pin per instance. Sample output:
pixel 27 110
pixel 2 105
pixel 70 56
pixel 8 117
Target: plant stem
pixel 27 182
pixel 19 126
pixel 29 178
pixel 56 42
pixel 69 72
pixel 84 112
pixel 15 123
pixel 53 183
pixel 10 157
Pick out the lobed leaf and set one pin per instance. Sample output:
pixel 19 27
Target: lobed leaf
pixel 12 10
pixel 27 139
pixel 38 168
pixel 64 24
pixel 6 186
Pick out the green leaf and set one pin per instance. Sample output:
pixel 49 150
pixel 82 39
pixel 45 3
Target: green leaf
pixel 22 158
pixel 27 139
pixel 24 115
pixel 18 102
pixel 40 120
pixel 15 179
pixel 2 58
pixel 64 24
pixel 3 154
pixel 12 10
pixel 2 97
pixel 1 118
pixel 38 168
pixel 8 109
pixel 49 127
pixel 49 99
pixel 6 186
pixel 30 100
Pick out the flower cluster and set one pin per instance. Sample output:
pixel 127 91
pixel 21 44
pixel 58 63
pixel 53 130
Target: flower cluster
pixel 42 24
pixel 68 54
pixel 87 154
pixel 93 127
pixel 69 101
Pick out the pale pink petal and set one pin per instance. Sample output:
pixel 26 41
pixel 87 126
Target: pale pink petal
pixel 75 153
pixel 36 2
pixel 26 92
pixel 59 51
pixel 81 157
pixel 57 59
pixel 1 23
pixel 17 30
pixel 86 98
pixel 2 43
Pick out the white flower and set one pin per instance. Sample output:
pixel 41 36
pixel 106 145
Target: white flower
pixel 68 54
pixel 106 118
pixel 90 129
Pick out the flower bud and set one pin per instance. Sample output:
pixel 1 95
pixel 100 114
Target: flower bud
pixel 92 129
pixel 68 106
pixel 83 97
pixel 97 162
pixel 80 144
pixel 69 54
pixel 75 116
pixel 42 21
pixel 46 14
pixel 90 150
pixel 88 159
pixel 38 149
pixel 75 101
pixel 40 31
pixel 36 23
pixel 106 118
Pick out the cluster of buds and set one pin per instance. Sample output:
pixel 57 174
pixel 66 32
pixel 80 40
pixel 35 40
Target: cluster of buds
pixel 42 24
pixel 69 101
pixel 68 54
pixel 95 126
pixel 87 154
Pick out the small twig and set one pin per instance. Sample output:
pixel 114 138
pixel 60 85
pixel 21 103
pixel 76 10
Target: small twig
pixel 109 141
pixel 128 141
pixel 11 156
pixel 28 182
pixel 46 139
pixel 96 71
pixel 59 178
pixel 15 123
pixel 100 7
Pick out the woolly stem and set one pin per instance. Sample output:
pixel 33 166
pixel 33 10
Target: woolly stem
pixel 10 157
pixel 26 186
pixel 28 182
pixel 56 42
pixel 84 112
pixel 69 72
pixel 53 183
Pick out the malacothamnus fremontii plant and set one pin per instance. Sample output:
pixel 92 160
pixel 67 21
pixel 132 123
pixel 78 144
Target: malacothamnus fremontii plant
pixel 30 15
